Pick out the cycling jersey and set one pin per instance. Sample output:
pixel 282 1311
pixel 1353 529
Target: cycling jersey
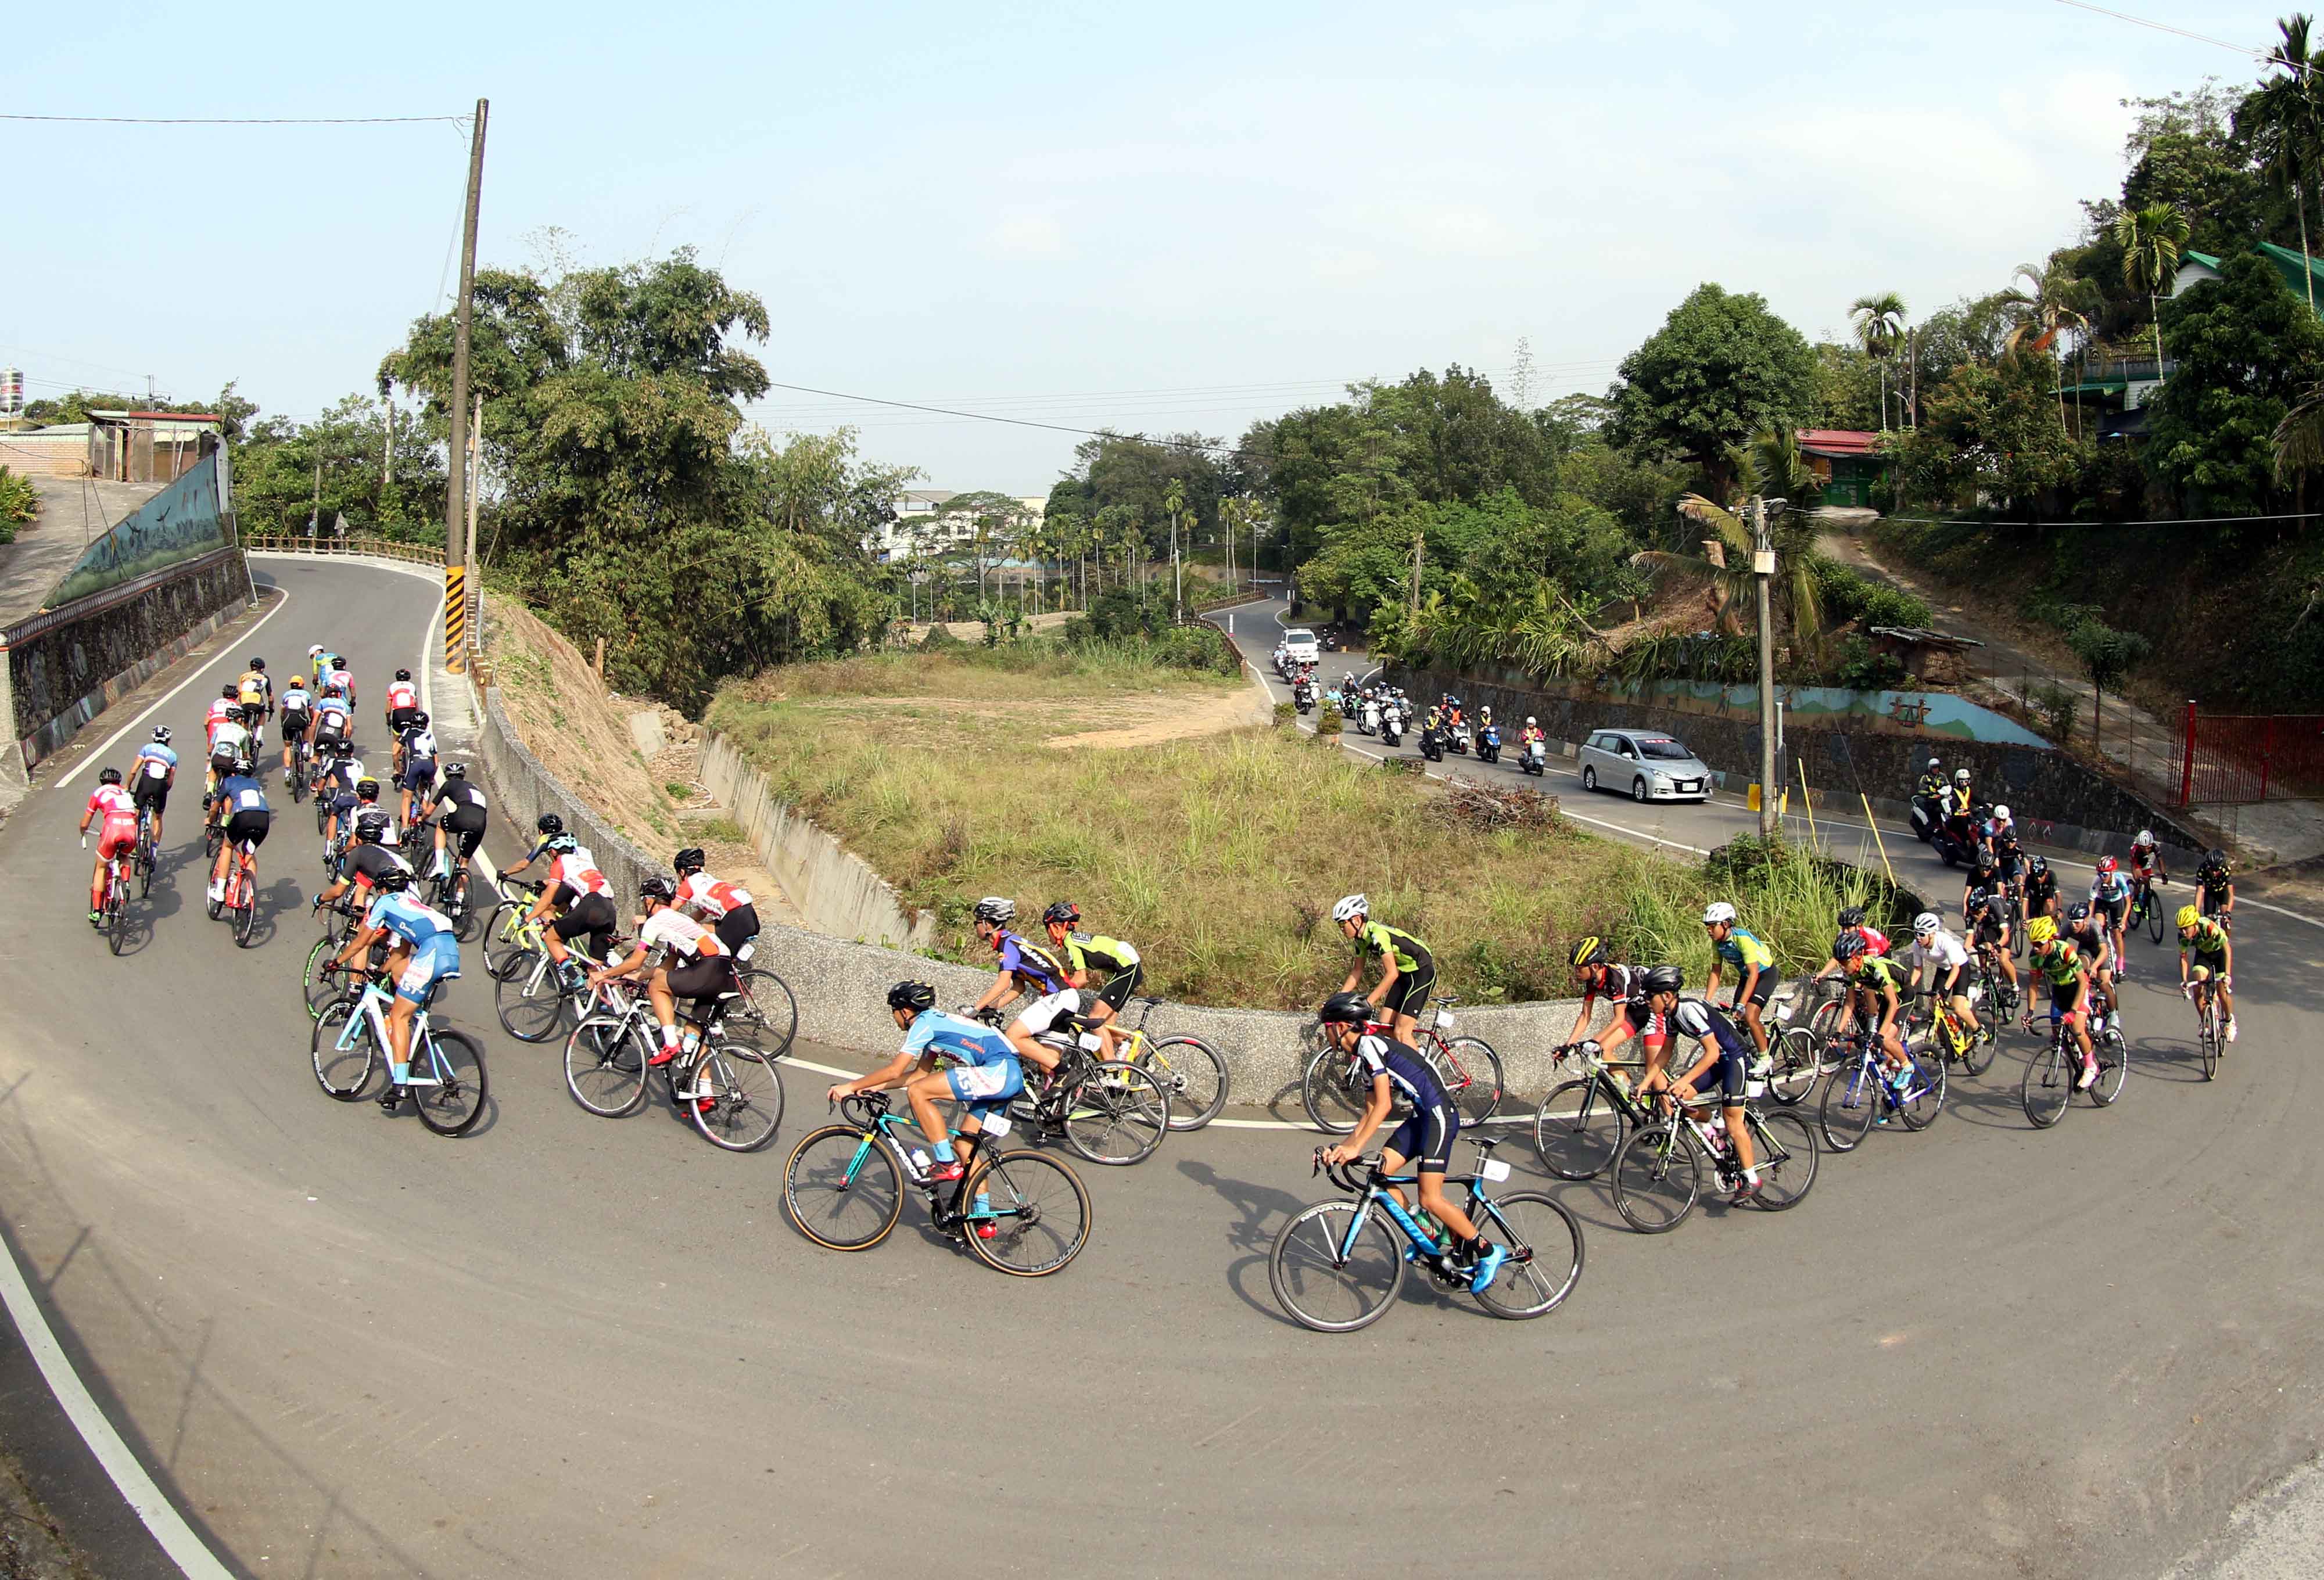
pixel 1943 951
pixel 2216 882
pixel 2113 889
pixel 954 1040
pixel 155 763
pixel 415 923
pixel 240 793
pixel 343 680
pixel 2092 940
pixel 346 773
pixel 1741 950
pixel 1876 972
pixel 255 689
pixel 2146 859
pixel 1379 939
pixel 1694 1018
pixel 463 804
pixel 1875 943
pixel 1032 962
pixel 1620 984
pixel 711 894
pixel 680 933
pixel 1086 950
pixel 2061 963
pixel 2040 891
pixel 579 872
pixel 297 699
pixel 2210 941
pixel 365 863
pixel 229 736
pixel 419 745
pixel 111 801
pixel 331 717
pixel 220 711
pixel 401 694
pixel 1410 1081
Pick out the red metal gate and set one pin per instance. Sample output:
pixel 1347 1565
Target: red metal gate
pixel 2241 757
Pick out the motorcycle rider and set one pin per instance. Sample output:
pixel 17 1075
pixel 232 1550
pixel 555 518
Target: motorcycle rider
pixel 1931 786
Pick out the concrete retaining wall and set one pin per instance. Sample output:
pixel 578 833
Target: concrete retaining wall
pixel 523 789
pixel 836 891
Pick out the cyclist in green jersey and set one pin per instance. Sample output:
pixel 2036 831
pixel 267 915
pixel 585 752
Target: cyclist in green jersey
pixel 2213 954
pixel 1408 970
pixel 1755 970
pixel 2057 961
pixel 1084 952
pixel 1875 979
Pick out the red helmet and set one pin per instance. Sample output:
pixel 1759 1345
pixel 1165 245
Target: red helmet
pixel 2106 866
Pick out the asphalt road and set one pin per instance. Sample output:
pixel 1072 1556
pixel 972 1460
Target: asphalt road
pixel 567 1345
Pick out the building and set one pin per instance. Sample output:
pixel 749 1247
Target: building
pixel 2300 271
pixel 121 447
pixel 1847 462
pixel 924 526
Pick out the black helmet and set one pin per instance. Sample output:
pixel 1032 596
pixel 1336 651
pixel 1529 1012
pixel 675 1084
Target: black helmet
pixel 658 887
pixel 1345 1009
pixel 2039 867
pixel 2214 860
pixel 229 691
pixel 1661 979
pixel 394 881
pixel 1853 917
pixel 456 770
pixel 689 859
pixel 367 789
pixel 911 994
pixel 2080 911
pixel 258 664
pixel 419 718
pixel 1065 913
pixel 1846 946
pixel 370 831
pixel 548 822
pixel 109 776
pixel 1589 952
pixel 403 675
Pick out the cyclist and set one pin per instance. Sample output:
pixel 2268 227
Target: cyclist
pixel 157 769
pixel 298 705
pixel 1869 940
pixel 368 855
pixel 226 706
pixel 1944 959
pixel 2145 862
pixel 2206 939
pixel 424 953
pixel 339 677
pixel 1726 1057
pixel 579 896
pixel 1408 970
pixel 1025 968
pixel 319 663
pixel 2214 883
pixel 2094 942
pixel 1601 978
pixel 338 788
pixel 1875 979
pixel 726 906
pixel 257 690
pixel 697 967
pixel 948 1058
pixel 2001 839
pixel 460 812
pixel 240 810
pixel 1985 873
pixel 415 758
pixel 2041 887
pixel 1985 919
pixel 228 736
pixel 1397 1073
pixel 402 702
pixel 334 724
pixel 116 835
pixel 1755 970
pixel 2110 899
pixel 2059 963
pixel 1085 950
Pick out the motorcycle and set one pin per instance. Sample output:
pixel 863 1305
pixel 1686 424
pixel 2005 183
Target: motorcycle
pixel 1368 720
pixel 1928 816
pixel 1431 744
pixel 1392 726
pixel 1952 847
pixel 1488 744
pixel 1536 761
pixel 1303 697
pixel 1459 739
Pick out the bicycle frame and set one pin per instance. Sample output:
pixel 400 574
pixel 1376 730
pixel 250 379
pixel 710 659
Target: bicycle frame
pixel 883 1126
pixel 372 1014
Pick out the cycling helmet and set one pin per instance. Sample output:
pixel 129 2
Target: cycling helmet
pixel 335 690
pixel 2214 860
pixel 1661 979
pixel 2145 837
pixel 394 881
pixel 229 691
pixel 1349 908
pixel 1063 912
pixel 996 910
pixel 1846 947
pixel 2042 930
pixel 2039 867
pixel 658 887
pixel 1853 917
pixel 456 770
pixel 2106 866
pixel 419 719
pixel 913 995
pixel 1927 924
pixel 403 675
pixel 548 822
pixel 161 734
pixel 109 776
pixel 1350 1010
pixel 2080 911
pixel 564 845
pixel 316 651
pixel 1960 776
pixel 1716 911
pixel 2189 917
pixel 367 789
pixel 2001 814
pixel 690 859
pixel 371 830
pixel 1590 951
pixel 258 664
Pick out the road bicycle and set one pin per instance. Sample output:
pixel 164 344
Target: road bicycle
pixel 1110 1111
pixel 2050 1075
pixel 1192 1071
pixel 112 907
pixel 732 1092
pixel 301 786
pixel 1018 1211
pixel 538 997
pixel 316 984
pixel 1581 1123
pixel 448 879
pixel 766 1015
pixel 147 854
pixel 1861 1093
pixel 1334 1092
pixel 2210 1029
pixel 1338 1265
pixel 445 1080
pixel 1658 1171
pixel 238 899
pixel 511 932
pixel 2146 909
pixel 1931 1021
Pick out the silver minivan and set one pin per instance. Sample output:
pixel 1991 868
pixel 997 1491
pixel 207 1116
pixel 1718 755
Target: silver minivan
pixel 1646 764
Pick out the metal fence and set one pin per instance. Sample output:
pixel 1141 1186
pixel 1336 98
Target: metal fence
pixel 2240 759
pixel 418 553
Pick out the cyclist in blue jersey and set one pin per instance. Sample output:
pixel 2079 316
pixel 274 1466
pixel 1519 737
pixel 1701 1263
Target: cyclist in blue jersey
pixel 239 809
pixel 1726 1056
pixel 1755 970
pixel 425 954
pixel 1396 1074
pixel 1025 966
pixel 154 771
pixel 944 1057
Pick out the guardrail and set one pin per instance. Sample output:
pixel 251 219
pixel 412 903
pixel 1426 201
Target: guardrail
pixel 418 553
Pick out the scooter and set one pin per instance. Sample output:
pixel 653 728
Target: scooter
pixel 1303 697
pixel 1458 740
pixel 1488 744
pixel 1951 848
pixel 1536 761
pixel 1368 721
pixel 1431 744
pixel 1392 726
pixel 1927 817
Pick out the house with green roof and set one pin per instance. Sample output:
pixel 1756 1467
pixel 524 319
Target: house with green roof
pixel 2302 273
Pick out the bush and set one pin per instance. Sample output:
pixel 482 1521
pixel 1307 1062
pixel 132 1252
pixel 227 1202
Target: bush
pixel 2056 707
pixel 1861 667
pixel 1328 722
pixel 1848 594
pixel 18 501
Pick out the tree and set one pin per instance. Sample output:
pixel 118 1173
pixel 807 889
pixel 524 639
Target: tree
pixel 2048 306
pixel 2248 349
pixel 1720 368
pixel 1770 466
pixel 2150 238
pixel 1990 436
pixel 1879 330
pixel 2289 118
pixel 2107 655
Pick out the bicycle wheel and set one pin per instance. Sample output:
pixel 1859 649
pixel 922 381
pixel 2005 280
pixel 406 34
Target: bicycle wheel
pixel 318 988
pixel 245 914
pixel 464 920
pixel 2155 925
pixel 1656 1178
pixel 2114 1068
pixel 342 1073
pixel 841 1189
pixel 145 862
pixel 531 1006
pixel 1544 1241
pixel 1578 1130
pixel 1115 1113
pixel 1978 1056
pixel 1798 1060
pixel 1039 1212
pixel 1329 1093
pixel 455 1062
pixel 1330 1274
pixel 605 1066
pixel 738 1097
pixel 1471 1073
pixel 116 915
pixel 1851 1101
pixel 766 1016
pixel 1924 1100
pixel 2047 1086
pixel 2207 1041
pixel 1195 1075
pixel 503 941
pixel 1784 1149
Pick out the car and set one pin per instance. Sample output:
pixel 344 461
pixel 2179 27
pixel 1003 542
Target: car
pixel 1646 764
pixel 1300 646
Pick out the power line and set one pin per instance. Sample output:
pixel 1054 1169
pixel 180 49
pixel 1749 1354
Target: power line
pixel 240 120
pixel 2159 522
pixel 2264 56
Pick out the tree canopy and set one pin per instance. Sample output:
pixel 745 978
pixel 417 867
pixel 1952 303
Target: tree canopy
pixel 1721 367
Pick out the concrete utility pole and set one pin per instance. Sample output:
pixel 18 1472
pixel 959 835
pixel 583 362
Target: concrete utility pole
pixel 455 504
pixel 475 476
pixel 1763 570
pixel 386 445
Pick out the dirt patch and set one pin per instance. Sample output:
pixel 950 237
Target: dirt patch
pixel 1182 720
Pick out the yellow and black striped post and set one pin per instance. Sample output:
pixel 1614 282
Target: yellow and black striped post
pixel 455 618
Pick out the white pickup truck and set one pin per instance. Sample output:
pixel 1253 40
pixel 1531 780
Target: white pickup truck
pixel 1299 644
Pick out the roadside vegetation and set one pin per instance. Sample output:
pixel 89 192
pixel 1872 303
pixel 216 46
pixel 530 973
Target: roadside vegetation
pixel 18 500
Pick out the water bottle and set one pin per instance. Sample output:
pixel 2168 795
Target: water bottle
pixel 921 1160
pixel 690 1040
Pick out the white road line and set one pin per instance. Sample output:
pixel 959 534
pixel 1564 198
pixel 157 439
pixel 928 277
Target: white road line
pixel 88 762
pixel 169 1528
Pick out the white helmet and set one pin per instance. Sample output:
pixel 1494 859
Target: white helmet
pixel 316 651
pixel 1960 775
pixel 1927 924
pixel 2001 814
pixel 996 909
pixel 1530 721
pixel 1935 764
pixel 1350 907
pixel 2145 837
pixel 1718 911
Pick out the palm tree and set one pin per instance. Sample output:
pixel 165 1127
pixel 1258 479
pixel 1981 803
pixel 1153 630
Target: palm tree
pixel 1770 465
pixel 2292 117
pixel 2045 309
pixel 1879 330
pixel 2150 239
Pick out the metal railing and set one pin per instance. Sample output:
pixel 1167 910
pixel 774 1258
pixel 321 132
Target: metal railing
pixel 418 553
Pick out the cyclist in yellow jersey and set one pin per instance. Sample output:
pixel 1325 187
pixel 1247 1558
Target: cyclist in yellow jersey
pixel 1084 952
pixel 2058 962
pixel 1754 972
pixel 1874 981
pixel 2214 953
pixel 1408 970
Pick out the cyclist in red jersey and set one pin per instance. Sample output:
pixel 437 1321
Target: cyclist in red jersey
pixel 116 837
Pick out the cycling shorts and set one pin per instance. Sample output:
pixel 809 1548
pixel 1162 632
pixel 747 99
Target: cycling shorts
pixel 2211 902
pixel 1425 1137
pixel 400 719
pixel 464 840
pixel 1762 989
pixel 1050 1012
pixel 592 916
pixel 117 836
pixel 418 773
pixel 1410 994
pixel 343 801
pixel 704 978
pixel 328 741
pixel 247 831
pixel 2112 910
pixel 738 927
pixel 984 1090
pixel 153 793
pixel 436 960
pixel 295 724
pixel 1727 1077
pixel 1119 987
pixel 2066 998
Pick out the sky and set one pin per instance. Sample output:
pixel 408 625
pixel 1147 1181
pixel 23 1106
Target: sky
pixel 1153 219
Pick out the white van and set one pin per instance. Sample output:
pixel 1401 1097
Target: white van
pixel 1300 646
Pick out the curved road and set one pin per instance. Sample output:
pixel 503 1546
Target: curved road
pixel 572 1346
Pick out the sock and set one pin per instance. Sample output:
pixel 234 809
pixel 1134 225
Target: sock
pixel 669 1036
pixel 944 1153
pixel 399 1074
pixel 1751 1174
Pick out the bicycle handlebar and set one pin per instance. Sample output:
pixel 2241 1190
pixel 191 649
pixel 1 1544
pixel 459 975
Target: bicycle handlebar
pixel 1345 1174
pixel 863 1107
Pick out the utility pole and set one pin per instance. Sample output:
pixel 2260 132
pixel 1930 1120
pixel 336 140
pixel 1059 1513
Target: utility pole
pixel 475 482
pixel 386 445
pixel 1763 571
pixel 456 454
pixel 315 516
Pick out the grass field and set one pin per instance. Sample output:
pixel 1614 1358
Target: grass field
pixel 1219 856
